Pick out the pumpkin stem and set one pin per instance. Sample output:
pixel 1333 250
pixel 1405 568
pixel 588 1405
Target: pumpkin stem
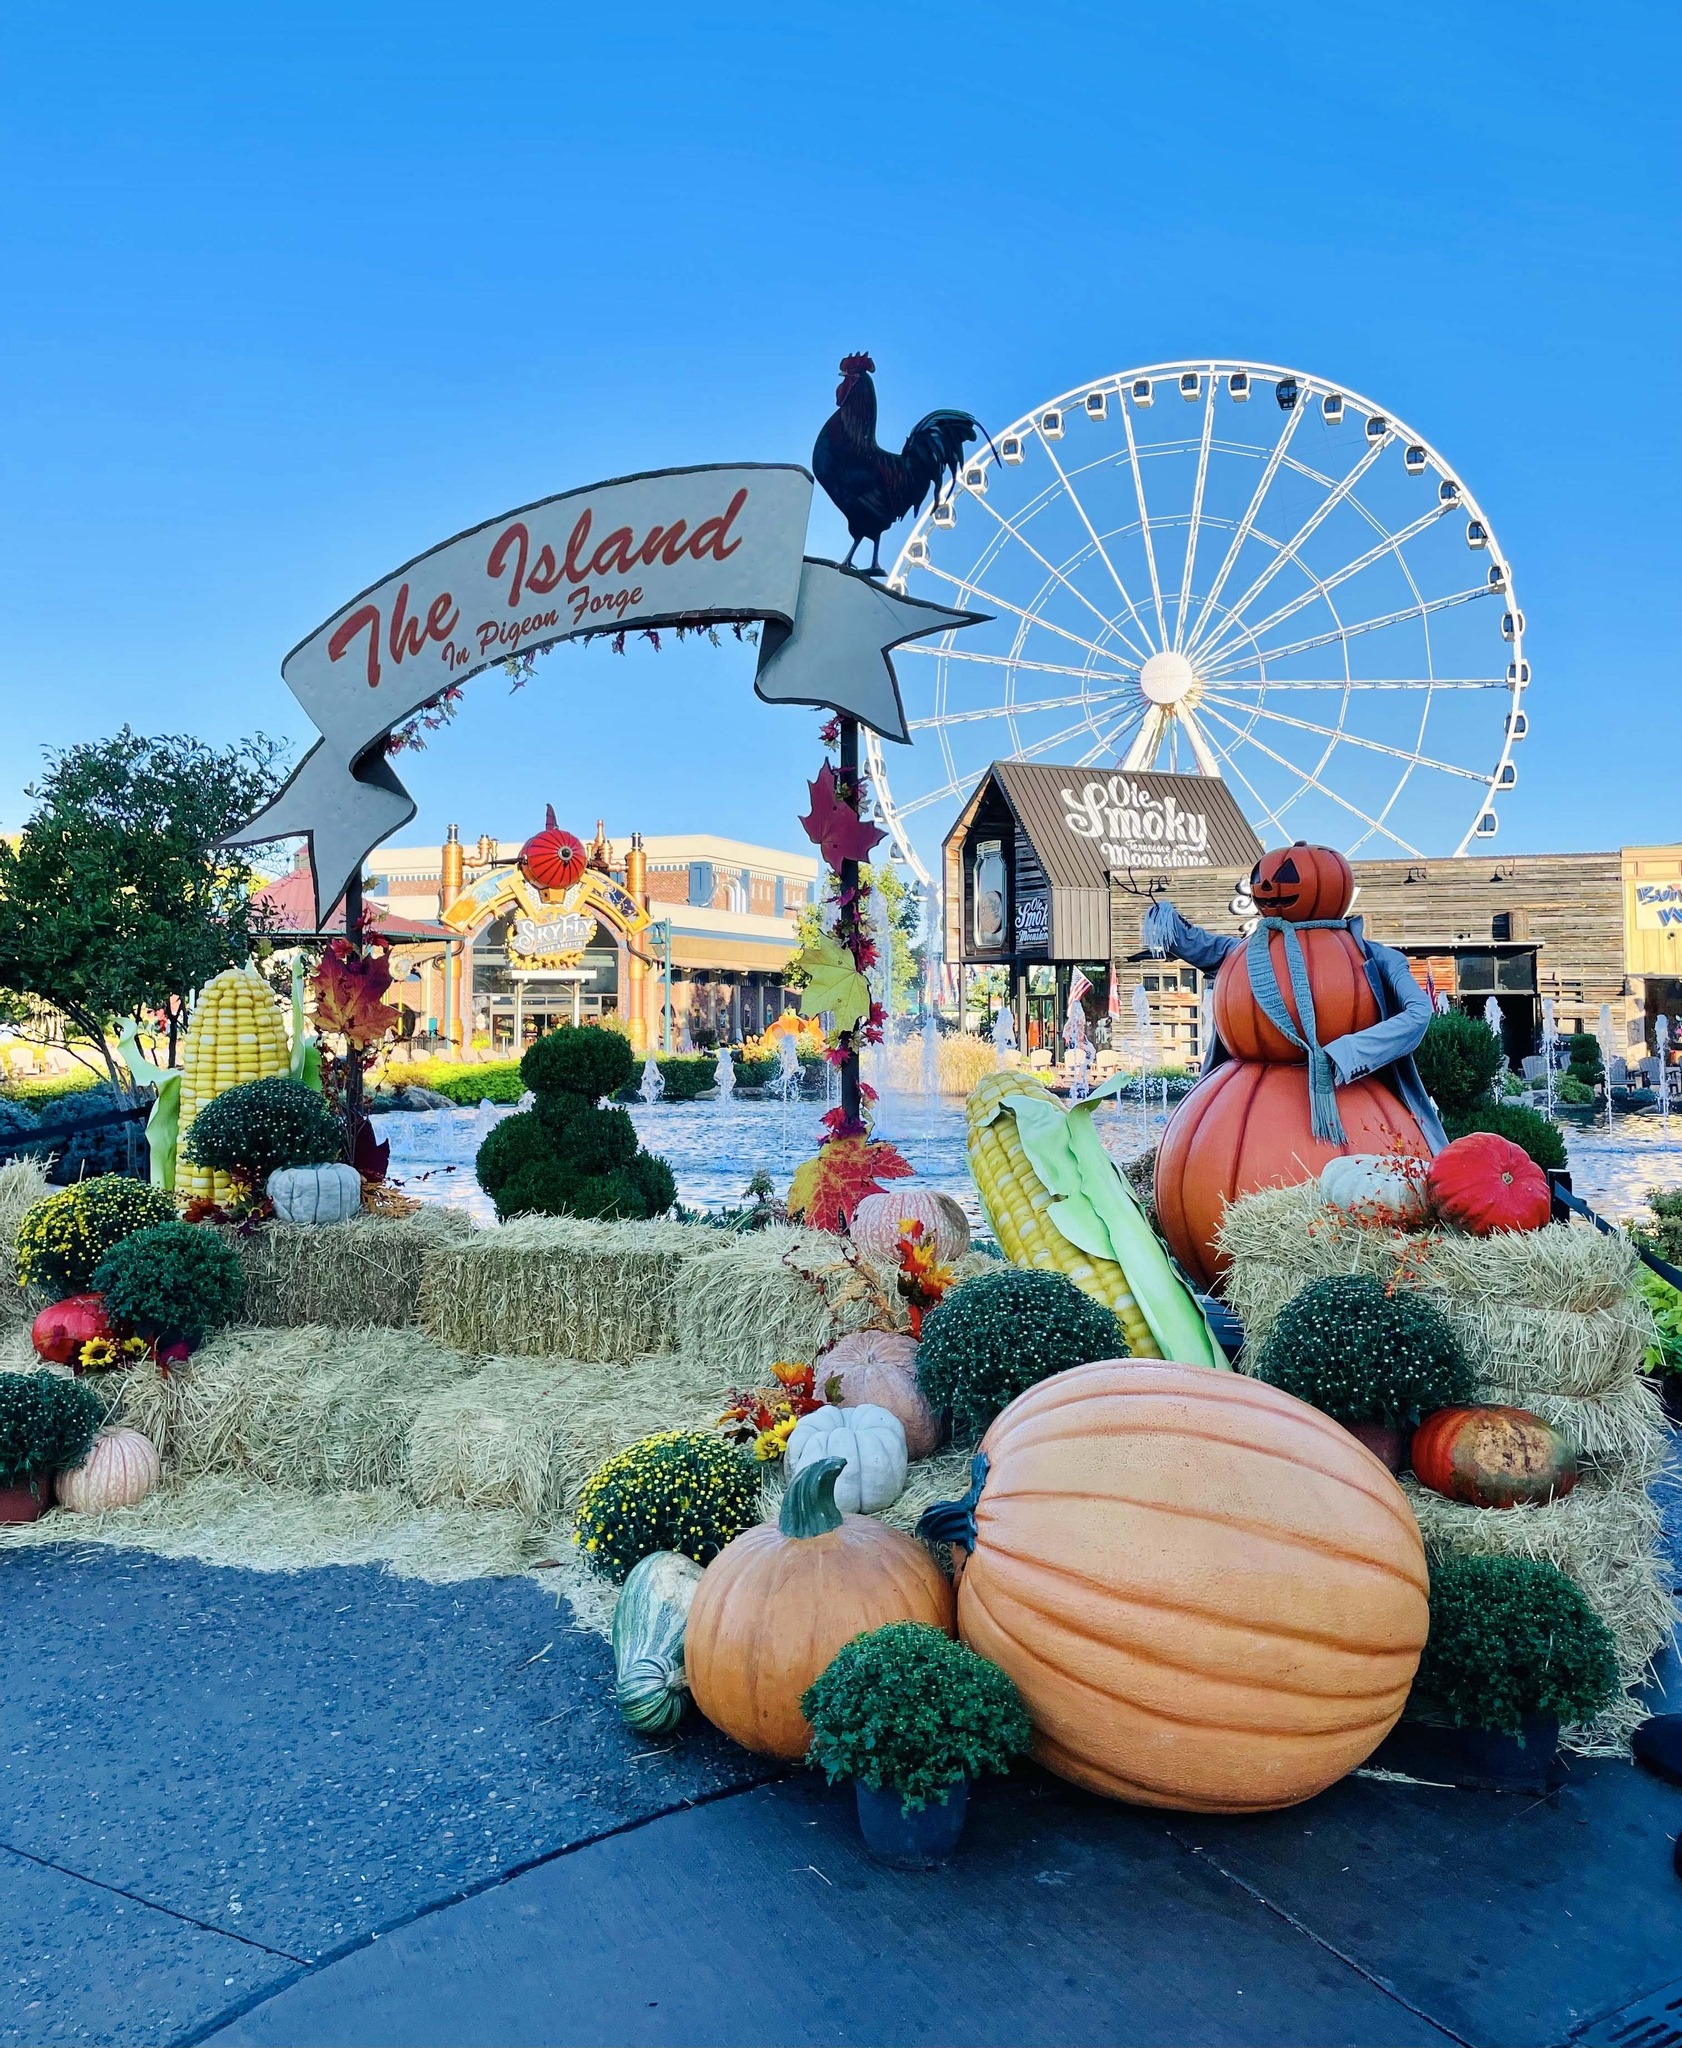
pixel 809 1505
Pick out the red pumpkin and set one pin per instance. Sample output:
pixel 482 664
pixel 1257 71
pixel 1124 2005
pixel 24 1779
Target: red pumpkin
pixel 1246 1126
pixel 1302 882
pixel 1337 978
pixel 1483 1183
pixel 1492 1457
pixel 553 860
pixel 60 1332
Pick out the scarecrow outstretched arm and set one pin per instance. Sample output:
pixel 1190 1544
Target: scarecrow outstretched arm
pixel 1169 936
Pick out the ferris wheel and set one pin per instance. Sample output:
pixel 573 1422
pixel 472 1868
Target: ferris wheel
pixel 1217 568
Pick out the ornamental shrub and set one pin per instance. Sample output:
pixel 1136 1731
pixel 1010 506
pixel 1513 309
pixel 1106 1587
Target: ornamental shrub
pixel 63 1237
pixel 687 1075
pixel 1458 1059
pixel 568 1155
pixel 905 1708
pixel 177 1282
pixel 1528 1129
pixel 1363 1355
pixel 1572 1092
pixel 1000 1333
pixel 249 1131
pixel 684 1489
pixel 1664 1355
pixel 1582 1049
pixel 1512 1640
pixel 47 1424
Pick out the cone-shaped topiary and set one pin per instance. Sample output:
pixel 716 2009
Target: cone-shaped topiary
pixel 568 1155
pixel 1001 1333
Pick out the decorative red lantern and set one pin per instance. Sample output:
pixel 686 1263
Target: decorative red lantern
pixel 552 860
pixel 60 1332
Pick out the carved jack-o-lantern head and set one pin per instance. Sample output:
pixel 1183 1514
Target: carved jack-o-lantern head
pixel 1301 883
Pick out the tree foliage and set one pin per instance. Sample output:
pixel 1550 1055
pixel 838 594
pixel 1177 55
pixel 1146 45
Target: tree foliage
pixel 114 902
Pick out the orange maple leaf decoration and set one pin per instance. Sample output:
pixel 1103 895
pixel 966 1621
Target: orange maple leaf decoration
pixel 349 989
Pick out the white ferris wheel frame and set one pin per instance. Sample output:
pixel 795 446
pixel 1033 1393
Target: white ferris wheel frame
pixel 1043 425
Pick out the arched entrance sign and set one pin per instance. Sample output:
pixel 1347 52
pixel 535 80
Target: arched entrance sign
pixel 673 547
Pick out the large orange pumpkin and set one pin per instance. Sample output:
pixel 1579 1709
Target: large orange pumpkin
pixel 1302 882
pixel 775 1605
pixel 1337 979
pixel 1209 1595
pixel 1246 1126
pixel 1492 1457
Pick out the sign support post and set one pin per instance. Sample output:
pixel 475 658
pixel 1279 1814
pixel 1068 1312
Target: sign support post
pixel 847 784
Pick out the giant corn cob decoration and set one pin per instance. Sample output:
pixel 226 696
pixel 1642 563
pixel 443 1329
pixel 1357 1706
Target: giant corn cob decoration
pixel 236 1035
pixel 1085 1223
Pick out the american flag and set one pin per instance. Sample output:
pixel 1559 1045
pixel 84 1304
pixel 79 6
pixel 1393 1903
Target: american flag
pixel 1079 986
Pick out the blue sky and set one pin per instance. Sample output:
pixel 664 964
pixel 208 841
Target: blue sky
pixel 294 293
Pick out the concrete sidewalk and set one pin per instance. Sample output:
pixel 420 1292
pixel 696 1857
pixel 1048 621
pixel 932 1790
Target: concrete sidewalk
pixel 335 1806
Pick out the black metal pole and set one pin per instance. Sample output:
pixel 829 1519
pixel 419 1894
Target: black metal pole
pixel 353 1064
pixel 850 1099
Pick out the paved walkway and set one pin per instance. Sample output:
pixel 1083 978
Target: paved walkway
pixel 337 1807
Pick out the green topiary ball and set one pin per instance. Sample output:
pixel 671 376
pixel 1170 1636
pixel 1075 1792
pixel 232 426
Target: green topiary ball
pixel 1528 1129
pixel 683 1490
pixel 1347 1347
pixel 1458 1059
pixel 250 1131
pixel 47 1424
pixel 579 1059
pixel 62 1238
pixel 1513 1640
pixel 1001 1333
pixel 178 1281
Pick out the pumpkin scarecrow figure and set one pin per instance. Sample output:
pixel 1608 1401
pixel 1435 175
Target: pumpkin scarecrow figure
pixel 1311 1056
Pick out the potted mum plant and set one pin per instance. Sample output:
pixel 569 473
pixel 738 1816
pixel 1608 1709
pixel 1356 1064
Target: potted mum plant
pixel 1378 1362
pixel 174 1285
pixel 1515 1651
pixel 911 1717
pixel 47 1426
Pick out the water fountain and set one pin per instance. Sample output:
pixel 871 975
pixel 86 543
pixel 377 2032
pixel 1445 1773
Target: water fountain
pixel 652 1085
pixel 1661 1041
pixel 1550 1035
pixel 724 1074
pixel 1147 1045
pixel 1604 1034
pixel 1004 1035
pixel 1492 1014
pixel 786 1085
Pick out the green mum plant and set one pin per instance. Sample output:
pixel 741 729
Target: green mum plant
pixel 683 1489
pixel 1346 1346
pixel 1513 1640
pixel 47 1424
pixel 175 1283
pixel 906 1709
pixel 62 1238
pixel 250 1131
pixel 1000 1333
pixel 1526 1128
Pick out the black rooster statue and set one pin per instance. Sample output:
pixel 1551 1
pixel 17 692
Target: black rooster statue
pixel 872 487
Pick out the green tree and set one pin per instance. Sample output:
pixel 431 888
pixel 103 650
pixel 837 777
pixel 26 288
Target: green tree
pixel 904 923
pixel 113 903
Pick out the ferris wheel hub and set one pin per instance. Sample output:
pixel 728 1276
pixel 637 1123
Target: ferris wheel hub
pixel 1167 678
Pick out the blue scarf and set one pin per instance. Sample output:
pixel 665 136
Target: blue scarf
pixel 1323 1118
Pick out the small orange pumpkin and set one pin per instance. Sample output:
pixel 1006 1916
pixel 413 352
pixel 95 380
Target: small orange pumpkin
pixel 1209 1595
pixel 1301 882
pixel 1492 1457
pixel 775 1605
pixel 1337 980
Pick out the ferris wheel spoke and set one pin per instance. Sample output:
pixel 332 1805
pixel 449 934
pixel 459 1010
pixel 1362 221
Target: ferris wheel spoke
pixel 1241 533
pixel 941 719
pixel 1199 742
pixel 1310 779
pixel 1144 523
pixel 1074 499
pixel 1269 815
pixel 974 590
pixel 1317 518
pixel 1147 741
pixel 1056 739
pixel 1392 545
pixel 1229 683
pixel 1348 632
pixel 1013 661
pixel 1108 741
pixel 1051 569
pixel 1196 515
pixel 1343 737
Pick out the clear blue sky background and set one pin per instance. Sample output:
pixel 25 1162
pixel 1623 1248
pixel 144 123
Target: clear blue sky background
pixel 292 293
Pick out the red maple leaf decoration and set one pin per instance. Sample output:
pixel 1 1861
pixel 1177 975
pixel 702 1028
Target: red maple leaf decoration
pixel 848 1170
pixel 835 826
pixel 349 991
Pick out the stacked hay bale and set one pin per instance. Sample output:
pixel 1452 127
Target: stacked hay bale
pixel 23 1183
pixel 1551 1320
pixel 368 1270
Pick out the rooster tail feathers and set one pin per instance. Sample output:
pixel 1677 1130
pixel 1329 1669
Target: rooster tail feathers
pixel 935 446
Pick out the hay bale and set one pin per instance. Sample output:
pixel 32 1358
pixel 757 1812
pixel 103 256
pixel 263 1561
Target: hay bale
pixel 23 1183
pixel 314 1409
pixel 349 1275
pixel 1604 1536
pixel 553 1286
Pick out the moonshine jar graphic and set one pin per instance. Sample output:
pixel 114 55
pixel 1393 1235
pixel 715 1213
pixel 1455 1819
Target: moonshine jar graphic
pixel 990 894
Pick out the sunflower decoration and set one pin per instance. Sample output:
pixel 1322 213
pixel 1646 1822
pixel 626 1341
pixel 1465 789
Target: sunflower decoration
pixel 100 1354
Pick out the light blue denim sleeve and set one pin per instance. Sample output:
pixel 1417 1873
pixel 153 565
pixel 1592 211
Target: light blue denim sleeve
pixel 1394 1037
pixel 1169 936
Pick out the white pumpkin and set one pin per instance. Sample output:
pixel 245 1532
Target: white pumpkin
pixel 878 1369
pixel 121 1469
pixel 315 1194
pixel 1373 1180
pixel 876 1221
pixel 870 1440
